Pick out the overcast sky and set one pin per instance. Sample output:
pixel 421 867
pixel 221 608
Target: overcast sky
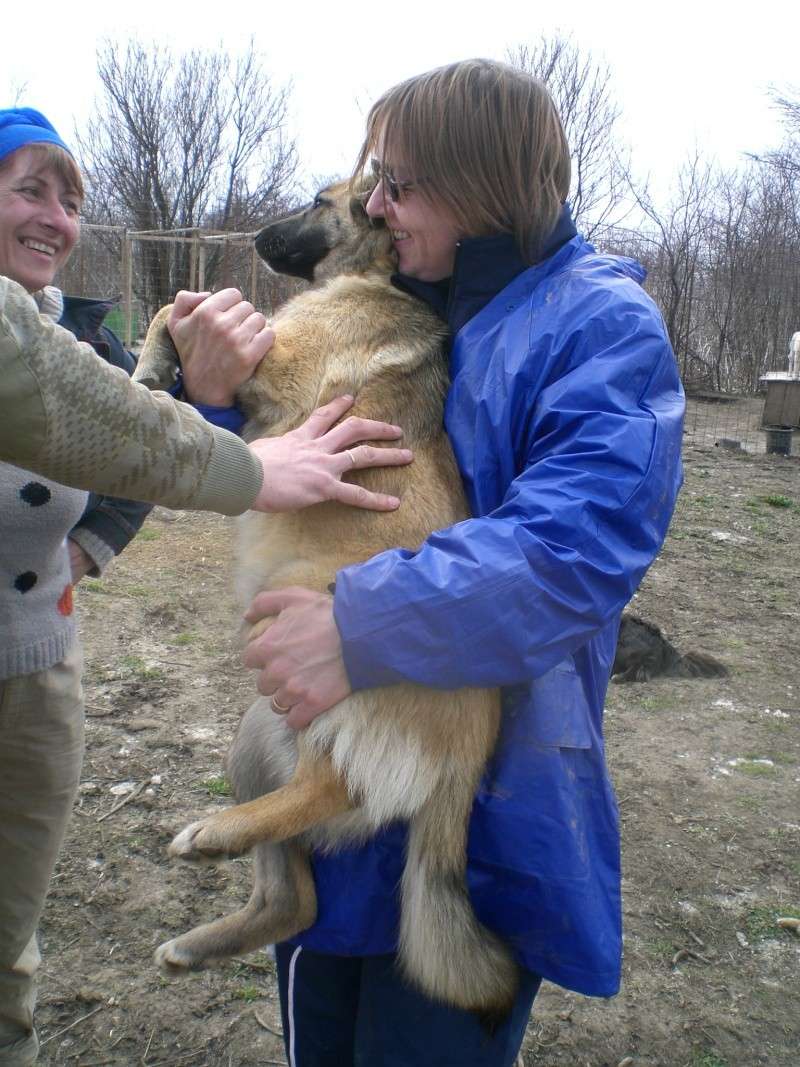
pixel 684 73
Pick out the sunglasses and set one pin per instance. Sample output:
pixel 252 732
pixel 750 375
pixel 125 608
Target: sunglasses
pixel 393 187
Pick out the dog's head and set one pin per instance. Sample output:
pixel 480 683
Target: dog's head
pixel 332 235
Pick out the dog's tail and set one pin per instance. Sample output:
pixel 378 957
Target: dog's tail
pixel 443 947
pixel 700 665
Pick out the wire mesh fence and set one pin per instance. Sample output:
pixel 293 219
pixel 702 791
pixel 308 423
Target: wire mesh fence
pixel 142 271
pixel 765 421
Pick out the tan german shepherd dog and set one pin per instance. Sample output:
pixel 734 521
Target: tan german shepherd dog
pixel 403 752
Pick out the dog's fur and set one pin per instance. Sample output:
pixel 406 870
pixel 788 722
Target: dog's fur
pixel 644 653
pixel 404 752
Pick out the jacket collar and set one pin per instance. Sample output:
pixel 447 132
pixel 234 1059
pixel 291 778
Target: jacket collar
pixel 84 316
pixel 484 266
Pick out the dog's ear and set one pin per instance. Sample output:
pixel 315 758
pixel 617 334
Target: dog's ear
pixel 358 207
pixel 358 211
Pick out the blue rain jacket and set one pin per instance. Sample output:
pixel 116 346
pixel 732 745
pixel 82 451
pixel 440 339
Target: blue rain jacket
pixel 565 414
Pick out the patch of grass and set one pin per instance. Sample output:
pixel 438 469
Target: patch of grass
pixel 698 831
pixel 735 643
pixel 708 1059
pixel 781 834
pixel 93 585
pixel 148 534
pixel 776 755
pixel 778 500
pixel 655 703
pixel 760 922
pixel 755 770
pixel 137 590
pixel 662 948
pixel 748 802
pixel 135 667
pixel 218 786
pixel 248 993
pixel 187 638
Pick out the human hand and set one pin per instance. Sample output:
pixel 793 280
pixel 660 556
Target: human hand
pixel 220 339
pixel 299 656
pixel 80 562
pixel 305 466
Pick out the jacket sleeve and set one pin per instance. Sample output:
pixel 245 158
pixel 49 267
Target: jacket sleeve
pixel 109 523
pixel 501 599
pixel 69 416
pixel 228 418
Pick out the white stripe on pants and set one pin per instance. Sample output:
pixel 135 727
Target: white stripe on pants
pixel 290 1005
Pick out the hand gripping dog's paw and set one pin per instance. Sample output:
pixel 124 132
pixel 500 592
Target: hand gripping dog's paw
pixel 173 961
pixel 206 841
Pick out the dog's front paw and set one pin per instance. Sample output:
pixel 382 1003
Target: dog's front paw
pixel 174 961
pixel 204 842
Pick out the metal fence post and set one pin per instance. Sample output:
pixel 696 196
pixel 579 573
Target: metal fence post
pixel 254 277
pixel 127 294
pixel 201 269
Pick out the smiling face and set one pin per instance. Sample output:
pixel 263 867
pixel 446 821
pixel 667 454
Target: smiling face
pixel 423 234
pixel 38 219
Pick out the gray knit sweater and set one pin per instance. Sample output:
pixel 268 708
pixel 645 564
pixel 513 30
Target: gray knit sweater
pixel 37 624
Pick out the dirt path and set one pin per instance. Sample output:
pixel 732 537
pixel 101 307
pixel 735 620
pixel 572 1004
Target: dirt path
pixel 707 774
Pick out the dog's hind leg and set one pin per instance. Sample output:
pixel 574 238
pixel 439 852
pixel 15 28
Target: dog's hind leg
pixel 313 795
pixel 283 903
pixel 443 947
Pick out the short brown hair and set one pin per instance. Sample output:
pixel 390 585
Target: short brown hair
pixel 488 141
pixel 54 158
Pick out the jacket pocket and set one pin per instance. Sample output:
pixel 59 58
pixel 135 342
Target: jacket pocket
pixel 552 710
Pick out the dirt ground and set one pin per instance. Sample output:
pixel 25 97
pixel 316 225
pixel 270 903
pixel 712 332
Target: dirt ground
pixel 707 774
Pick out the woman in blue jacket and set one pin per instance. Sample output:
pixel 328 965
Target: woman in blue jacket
pixel 565 414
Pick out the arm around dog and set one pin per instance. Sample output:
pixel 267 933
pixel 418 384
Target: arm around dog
pixel 554 555
pixel 503 597
pixel 70 416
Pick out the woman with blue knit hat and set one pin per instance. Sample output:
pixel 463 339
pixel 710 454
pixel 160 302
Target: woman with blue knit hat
pixel 50 537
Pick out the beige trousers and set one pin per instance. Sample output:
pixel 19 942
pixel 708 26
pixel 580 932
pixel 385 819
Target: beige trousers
pixel 41 751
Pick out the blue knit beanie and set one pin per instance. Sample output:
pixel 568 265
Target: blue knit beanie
pixel 23 126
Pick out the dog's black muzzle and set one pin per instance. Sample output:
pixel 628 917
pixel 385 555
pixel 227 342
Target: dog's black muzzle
pixel 296 254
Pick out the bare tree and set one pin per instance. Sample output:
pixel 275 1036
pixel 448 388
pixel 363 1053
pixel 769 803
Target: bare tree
pixel 677 236
pixel 16 93
pixel 787 101
pixel 723 261
pixel 180 142
pixel 785 161
pixel 726 288
pixel 581 89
